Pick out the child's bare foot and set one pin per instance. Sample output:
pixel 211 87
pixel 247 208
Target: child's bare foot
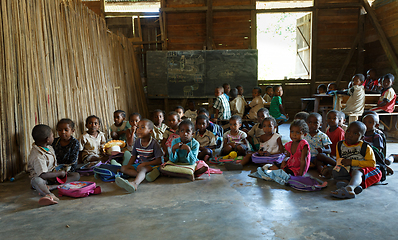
pixel 325 172
pixel 390 171
pixel 200 171
pixel 206 158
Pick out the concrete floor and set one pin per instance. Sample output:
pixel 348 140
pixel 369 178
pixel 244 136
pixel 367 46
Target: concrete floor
pixel 227 206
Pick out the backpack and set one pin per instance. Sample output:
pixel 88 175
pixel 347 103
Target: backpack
pixel 383 136
pixel 307 184
pixel 108 173
pixel 268 159
pixel 78 189
pixel 378 155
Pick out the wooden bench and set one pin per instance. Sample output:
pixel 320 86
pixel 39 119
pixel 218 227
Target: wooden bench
pixel 389 127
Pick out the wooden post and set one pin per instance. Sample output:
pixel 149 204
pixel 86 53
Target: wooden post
pixel 382 37
pixel 361 43
pixel 253 37
pixel 314 50
pixel 102 8
pixel 209 25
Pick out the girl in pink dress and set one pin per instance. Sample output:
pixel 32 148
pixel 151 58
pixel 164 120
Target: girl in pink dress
pixel 298 151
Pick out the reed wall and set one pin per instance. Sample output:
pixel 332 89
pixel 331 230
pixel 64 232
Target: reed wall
pixel 58 60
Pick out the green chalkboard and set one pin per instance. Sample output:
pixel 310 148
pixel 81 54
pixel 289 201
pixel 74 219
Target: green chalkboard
pixel 195 74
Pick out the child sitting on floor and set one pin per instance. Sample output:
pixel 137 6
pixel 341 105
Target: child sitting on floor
pixel 150 155
pixel 269 93
pixel 257 103
pixel 159 127
pixel 120 126
pixel 301 115
pixel 237 103
pixel 342 121
pixel 270 143
pixel 206 139
pixel 253 136
pixel 66 147
pixel 235 139
pixel 276 109
pixel 356 101
pixel 180 111
pixel 185 149
pixel 173 119
pixel 217 130
pixel 388 97
pixel 371 122
pixel 298 151
pixel 42 163
pixel 335 134
pixel 191 113
pixel 362 169
pixel 221 106
pixel 131 134
pixel 92 141
pixel 319 142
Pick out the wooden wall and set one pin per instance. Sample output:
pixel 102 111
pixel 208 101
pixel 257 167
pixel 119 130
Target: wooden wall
pixel 375 56
pixel 59 60
pixel 186 30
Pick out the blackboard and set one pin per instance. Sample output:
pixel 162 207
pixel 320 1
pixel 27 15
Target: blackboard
pixel 195 74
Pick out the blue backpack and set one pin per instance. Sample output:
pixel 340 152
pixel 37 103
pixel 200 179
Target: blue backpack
pixel 108 173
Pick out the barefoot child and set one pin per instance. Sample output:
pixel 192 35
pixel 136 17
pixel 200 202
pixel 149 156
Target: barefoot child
pixel 150 155
pixel 159 127
pixel 362 169
pixel 66 147
pixel 253 136
pixel 173 119
pixel 131 134
pixel 270 144
pixel 298 151
pixel 42 163
pixel 92 141
pixel 120 127
pixel 206 139
pixel 235 139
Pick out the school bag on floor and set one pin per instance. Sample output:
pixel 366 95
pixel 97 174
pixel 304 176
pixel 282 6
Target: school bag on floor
pixel 307 184
pixel 78 189
pixel 108 172
pixel 268 159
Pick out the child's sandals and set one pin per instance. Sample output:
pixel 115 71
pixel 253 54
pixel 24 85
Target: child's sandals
pixel 343 193
pixel 49 199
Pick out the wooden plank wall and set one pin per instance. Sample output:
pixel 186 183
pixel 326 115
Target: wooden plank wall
pixel 375 57
pixel 187 30
pixel 95 6
pixel 337 29
pixel 59 60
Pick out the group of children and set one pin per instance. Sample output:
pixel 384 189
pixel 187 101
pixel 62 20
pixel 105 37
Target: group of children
pixel 191 136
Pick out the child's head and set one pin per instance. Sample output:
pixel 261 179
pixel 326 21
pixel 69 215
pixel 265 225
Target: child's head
pixel 261 114
pixel 158 117
pixel 341 118
pixel 134 119
pixel 227 88
pixel 240 89
pixel 233 93
pixel 269 125
pixel 180 110
pixel 269 91
pixel 93 123
pixel 235 122
pixel 119 116
pixel 301 115
pixel 42 135
pixel 191 105
pixel 355 132
pixel 144 128
pixel 185 130
pixel 256 92
pixel 388 80
pixel 278 91
pixel 173 119
pixel 358 79
pixel 332 86
pixel 321 89
pixel 371 74
pixel 203 111
pixel 298 129
pixel 314 122
pixel 65 128
pixel 333 118
pixel 202 121
pixel 218 91
pixel 371 122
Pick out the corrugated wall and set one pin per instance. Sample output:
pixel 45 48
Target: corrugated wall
pixel 59 60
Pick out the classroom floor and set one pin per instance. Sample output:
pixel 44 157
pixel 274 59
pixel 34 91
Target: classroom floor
pixel 231 205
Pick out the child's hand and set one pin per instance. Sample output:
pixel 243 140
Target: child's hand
pixel 114 135
pixel 62 174
pixel 346 162
pixel 186 147
pixel 178 145
pixel 133 129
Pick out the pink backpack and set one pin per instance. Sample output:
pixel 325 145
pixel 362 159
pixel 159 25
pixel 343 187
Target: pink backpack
pixel 78 189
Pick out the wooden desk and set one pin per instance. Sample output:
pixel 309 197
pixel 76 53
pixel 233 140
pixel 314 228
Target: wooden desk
pixel 323 101
pixel 370 101
pixel 305 101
